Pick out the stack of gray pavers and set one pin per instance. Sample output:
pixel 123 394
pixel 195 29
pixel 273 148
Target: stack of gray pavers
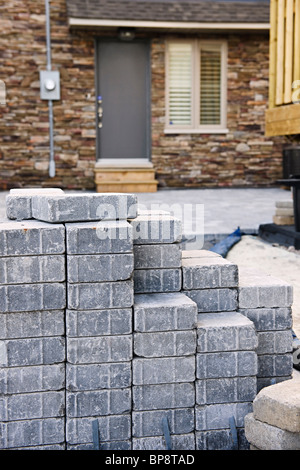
pixel 108 329
pixel 226 360
pixel 32 333
pixel 164 342
pixel 267 302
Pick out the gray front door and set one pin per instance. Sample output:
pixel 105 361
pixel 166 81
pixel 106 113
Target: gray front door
pixel 124 97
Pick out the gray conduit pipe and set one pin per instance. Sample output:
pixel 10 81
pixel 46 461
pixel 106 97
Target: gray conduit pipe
pixel 50 102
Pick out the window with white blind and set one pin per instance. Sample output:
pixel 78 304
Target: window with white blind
pixel 196 86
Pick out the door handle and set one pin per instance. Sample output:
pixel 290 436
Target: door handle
pixel 100 111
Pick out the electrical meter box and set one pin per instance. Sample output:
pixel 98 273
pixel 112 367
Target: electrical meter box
pixel 50 85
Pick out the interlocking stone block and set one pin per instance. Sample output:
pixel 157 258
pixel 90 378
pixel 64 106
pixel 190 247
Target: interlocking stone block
pixel 32 406
pixel 178 442
pixel 274 365
pixel 112 428
pixel 275 342
pixel 214 300
pixel 168 343
pixel 217 416
pixel 105 236
pixel 149 423
pixel 18 201
pixel 31 237
pixel 32 379
pixel 279 405
pixel 98 376
pixel 208 273
pixel 157 280
pixel 32 269
pixel 225 331
pixel 98 402
pixel 220 439
pixel 99 268
pixel 163 370
pixel 99 349
pixel 155 229
pixel 226 364
pixel 259 290
pixel 163 396
pixel 30 433
pixel 84 207
pixel 31 297
pixel 32 324
pixel 267 319
pixel 157 256
pixel 118 294
pixel 266 437
pixel 98 322
pixel 32 351
pixel 163 312
pixel 225 390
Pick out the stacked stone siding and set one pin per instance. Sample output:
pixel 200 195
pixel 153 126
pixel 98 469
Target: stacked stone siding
pixel 242 157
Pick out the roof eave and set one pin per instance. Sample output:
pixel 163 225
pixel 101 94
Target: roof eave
pixel 165 25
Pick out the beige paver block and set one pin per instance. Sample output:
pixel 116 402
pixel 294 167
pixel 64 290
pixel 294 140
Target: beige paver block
pixel 263 436
pixel 279 405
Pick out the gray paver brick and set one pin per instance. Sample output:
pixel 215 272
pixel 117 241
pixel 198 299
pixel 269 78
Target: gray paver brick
pixel 98 322
pixel 157 280
pixel 163 370
pixel 257 290
pixel 157 256
pixel 34 432
pixel 169 343
pixel 31 237
pixel 106 236
pixel 32 297
pixel 275 342
pixel 163 312
pixel 225 390
pixel 32 269
pixel 214 300
pixel 32 379
pixel 149 423
pixel 112 428
pixel 273 365
pixel 33 351
pixel 118 294
pixel 32 406
pixel 225 331
pixel 153 229
pixel 99 268
pixel 217 416
pixel 84 207
pixel 267 319
pixel 163 396
pixel 98 376
pixel 226 364
pixel 98 402
pixel 32 324
pixel 99 349
pixel 178 442
pixel 208 273
pixel 18 201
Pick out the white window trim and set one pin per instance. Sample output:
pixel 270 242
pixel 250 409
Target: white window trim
pixel 193 129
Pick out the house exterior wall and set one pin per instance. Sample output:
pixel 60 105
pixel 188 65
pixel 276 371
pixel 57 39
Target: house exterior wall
pixel 242 157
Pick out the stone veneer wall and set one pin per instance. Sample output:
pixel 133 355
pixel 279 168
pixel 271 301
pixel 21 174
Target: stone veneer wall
pixel 240 158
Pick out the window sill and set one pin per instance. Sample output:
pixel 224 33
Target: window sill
pixel 196 131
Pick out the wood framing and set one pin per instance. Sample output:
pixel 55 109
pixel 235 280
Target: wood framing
pixel 283 115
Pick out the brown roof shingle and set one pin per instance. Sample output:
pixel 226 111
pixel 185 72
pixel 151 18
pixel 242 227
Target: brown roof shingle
pixel 203 11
